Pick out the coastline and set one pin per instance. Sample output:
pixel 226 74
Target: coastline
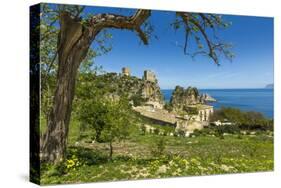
pixel 250 99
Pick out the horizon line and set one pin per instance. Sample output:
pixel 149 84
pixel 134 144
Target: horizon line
pixel 226 88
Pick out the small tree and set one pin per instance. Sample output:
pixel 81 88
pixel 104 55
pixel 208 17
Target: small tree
pixel 142 129
pixel 168 106
pixel 118 121
pixel 158 147
pixel 181 133
pixel 93 113
pixel 138 100
pixel 111 119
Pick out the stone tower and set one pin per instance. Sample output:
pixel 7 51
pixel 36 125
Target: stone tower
pixel 126 71
pixel 149 76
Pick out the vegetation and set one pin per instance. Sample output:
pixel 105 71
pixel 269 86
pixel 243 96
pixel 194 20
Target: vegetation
pixel 141 153
pixel 136 158
pixel 88 129
pixel 243 120
pixel 191 110
pixel 168 106
pixel 72 33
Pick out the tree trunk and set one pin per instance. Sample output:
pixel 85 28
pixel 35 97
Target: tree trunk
pixel 98 133
pixel 110 150
pixel 73 45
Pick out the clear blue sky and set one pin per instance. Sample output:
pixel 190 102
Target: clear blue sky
pixel 252 67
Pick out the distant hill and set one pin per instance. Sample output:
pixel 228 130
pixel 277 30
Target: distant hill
pixel 269 86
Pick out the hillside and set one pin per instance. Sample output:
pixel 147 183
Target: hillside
pixel 136 89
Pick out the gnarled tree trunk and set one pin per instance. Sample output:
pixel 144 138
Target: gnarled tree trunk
pixel 73 44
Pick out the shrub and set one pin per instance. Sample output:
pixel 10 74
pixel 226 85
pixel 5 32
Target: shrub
pixel 59 169
pixel 165 133
pixel 196 132
pixel 138 100
pixel 142 129
pixel 156 131
pixel 181 133
pixel 208 131
pixel 168 107
pixel 191 110
pixel 231 129
pixel 239 136
pixel 219 132
pixel 245 120
pixel 158 147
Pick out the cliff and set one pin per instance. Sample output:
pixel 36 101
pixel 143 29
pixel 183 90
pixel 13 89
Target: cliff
pixel 182 98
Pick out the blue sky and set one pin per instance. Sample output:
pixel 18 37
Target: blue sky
pixel 252 66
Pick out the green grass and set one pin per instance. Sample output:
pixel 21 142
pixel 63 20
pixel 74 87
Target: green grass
pixel 133 158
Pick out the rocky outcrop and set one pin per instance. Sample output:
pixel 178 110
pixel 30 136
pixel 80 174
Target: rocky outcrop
pixel 151 91
pixel 138 90
pixel 205 97
pixel 182 98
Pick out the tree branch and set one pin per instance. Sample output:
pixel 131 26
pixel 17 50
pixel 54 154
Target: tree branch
pixel 134 22
pixel 187 18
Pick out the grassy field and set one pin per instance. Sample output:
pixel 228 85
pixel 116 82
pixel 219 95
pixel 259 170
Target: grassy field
pixel 136 157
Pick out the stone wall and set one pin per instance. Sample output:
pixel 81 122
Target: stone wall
pixel 149 76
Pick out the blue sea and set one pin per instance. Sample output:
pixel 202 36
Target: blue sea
pixel 259 100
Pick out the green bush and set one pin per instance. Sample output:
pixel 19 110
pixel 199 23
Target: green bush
pixel 142 129
pixel 168 107
pixel 219 132
pixel 208 131
pixel 181 133
pixel 191 110
pixel 138 100
pixel 231 129
pixel 197 132
pixel 156 131
pixel 158 147
pixel 244 120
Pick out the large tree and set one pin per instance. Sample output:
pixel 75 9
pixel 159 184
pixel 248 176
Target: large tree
pixel 77 33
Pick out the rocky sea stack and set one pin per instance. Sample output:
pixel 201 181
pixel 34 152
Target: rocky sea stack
pixel 182 98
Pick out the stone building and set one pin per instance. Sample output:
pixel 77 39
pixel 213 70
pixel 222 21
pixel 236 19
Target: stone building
pixel 126 71
pixel 149 76
pixel 204 112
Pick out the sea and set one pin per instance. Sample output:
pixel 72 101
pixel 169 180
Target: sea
pixel 259 100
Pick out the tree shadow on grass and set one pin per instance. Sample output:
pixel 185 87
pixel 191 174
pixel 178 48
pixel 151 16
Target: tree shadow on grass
pixel 87 156
pixel 96 157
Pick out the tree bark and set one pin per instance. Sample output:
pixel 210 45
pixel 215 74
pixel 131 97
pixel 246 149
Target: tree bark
pixel 73 45
pixel 110 150
pixel 74 41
